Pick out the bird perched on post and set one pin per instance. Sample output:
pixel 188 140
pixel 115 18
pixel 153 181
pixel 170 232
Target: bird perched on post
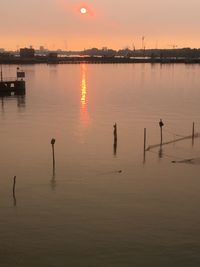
pixel 53 141
pixel 161 124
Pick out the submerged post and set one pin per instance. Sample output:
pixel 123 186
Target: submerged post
pixel 53 154
pixel 161 124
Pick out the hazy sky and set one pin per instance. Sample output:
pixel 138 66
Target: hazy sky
pixel 112 23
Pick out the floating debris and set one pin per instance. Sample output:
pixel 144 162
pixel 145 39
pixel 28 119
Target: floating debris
pixel 173 141
pixel 195 161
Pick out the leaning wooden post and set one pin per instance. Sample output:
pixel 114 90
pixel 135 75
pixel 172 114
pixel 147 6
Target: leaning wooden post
pixel 52 143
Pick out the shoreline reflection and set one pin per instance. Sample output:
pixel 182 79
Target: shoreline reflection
pixel 21 101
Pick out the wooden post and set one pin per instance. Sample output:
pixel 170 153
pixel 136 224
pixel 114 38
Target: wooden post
pixel 161 124
pixel 53 154
pixel 193 133
pixel 115 148
pixel 14 183
pixel 115 132
pixel 145 136
pixel 115 139
pixel 193 130
pixel 14 198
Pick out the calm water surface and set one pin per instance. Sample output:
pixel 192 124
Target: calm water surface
pixel 85 212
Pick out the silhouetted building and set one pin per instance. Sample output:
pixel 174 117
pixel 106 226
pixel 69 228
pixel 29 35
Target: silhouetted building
pixel 53 55
pixel 27 52
pixel 5 55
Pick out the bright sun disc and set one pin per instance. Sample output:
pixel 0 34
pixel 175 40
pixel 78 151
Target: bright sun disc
pixel 83 10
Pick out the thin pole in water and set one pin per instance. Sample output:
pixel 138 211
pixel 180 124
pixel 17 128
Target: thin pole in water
pixel 115 139
pixel 193 133
pixel 14 184
pixel 115 132
pixel 145 137
pixel 53 153
pixel 161 124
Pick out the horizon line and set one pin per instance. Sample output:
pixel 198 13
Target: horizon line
pixel 2 49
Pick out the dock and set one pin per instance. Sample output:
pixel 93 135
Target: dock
pixel 13 86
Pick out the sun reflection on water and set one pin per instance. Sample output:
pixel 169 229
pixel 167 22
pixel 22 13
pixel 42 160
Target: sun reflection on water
pixel 83 86
pixel 84 96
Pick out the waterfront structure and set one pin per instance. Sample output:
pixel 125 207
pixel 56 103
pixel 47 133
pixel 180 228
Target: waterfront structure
pixel 27 52
pixel 13 86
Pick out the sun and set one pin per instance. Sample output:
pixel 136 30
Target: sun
pixel 83 10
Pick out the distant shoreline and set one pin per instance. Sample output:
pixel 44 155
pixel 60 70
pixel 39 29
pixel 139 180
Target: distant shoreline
pixel 98 60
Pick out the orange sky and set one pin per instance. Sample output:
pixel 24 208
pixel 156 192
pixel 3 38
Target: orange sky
pixel 112 23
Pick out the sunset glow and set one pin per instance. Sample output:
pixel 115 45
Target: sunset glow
pixel 104 24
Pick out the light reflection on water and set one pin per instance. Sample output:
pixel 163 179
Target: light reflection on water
pixel 84 95
pixel 100 205
pixel 83 86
